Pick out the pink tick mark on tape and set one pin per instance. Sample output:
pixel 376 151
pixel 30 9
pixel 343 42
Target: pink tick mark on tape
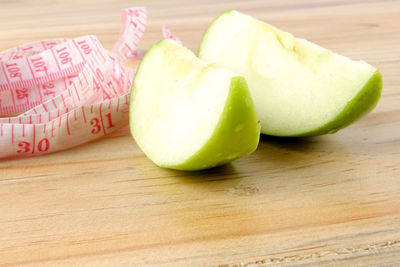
pixel 166 32
pixel 68 91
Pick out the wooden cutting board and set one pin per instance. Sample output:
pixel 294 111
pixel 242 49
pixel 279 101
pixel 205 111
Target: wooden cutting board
pixel 332 200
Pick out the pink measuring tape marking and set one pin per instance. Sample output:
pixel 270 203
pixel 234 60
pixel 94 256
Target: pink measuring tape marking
pixel 166 32
pixel 70 91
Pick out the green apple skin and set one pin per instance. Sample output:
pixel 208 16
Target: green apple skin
pixel 364 102
pixel 361 104
pixel 236 133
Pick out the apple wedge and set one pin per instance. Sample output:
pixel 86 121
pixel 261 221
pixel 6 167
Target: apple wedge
pixel 298 87
pixel 189 115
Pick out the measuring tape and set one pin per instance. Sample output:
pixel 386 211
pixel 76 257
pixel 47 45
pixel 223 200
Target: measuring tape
pixel 68 91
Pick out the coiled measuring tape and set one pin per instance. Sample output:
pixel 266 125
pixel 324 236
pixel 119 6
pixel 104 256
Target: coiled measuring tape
pixel 68 91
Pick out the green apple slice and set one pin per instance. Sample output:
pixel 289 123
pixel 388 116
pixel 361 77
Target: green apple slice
pixel 298 87
pixel 189 115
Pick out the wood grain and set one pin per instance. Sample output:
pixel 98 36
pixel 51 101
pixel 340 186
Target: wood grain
pixel 332 200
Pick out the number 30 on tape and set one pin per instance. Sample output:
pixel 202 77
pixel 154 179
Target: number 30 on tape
pixel 66 92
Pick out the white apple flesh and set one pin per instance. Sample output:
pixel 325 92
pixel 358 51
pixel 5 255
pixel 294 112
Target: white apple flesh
pixel 189 115
pixel 298 87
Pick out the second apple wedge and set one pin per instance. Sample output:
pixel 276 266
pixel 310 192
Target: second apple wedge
pixel 189 115
pixel 298 87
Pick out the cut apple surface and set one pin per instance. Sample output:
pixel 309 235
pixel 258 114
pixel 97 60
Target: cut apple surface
pixel 189 115
pixel 298 87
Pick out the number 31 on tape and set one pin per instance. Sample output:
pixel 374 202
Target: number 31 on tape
pixel 66 92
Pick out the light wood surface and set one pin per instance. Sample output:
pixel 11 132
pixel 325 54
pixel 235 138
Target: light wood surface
pixel 332 200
